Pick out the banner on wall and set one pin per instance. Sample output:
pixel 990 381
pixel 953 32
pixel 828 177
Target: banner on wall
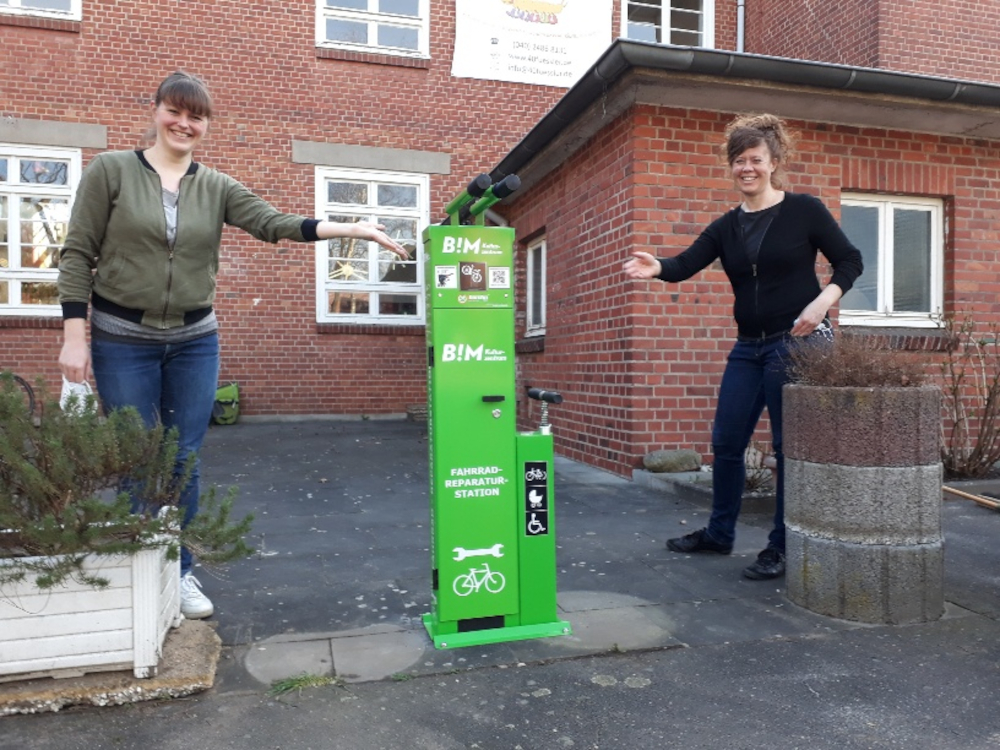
pixel 546 42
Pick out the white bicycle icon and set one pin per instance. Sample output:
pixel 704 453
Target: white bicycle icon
pixel 534 475
pixel 477 578
pixel 475 273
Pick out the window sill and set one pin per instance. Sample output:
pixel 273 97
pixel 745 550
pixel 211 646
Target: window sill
pixel 905 339
pixel 368 329
pixel 531 345
pixel 40 22
pixel 26 321
pixel 374 58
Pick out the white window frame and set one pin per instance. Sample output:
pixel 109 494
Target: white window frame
pixel 666 9
pixel 884 316
pixel 421 215
pixel 373 18
pixel 16 276
pixel 535 327
pixel 23 7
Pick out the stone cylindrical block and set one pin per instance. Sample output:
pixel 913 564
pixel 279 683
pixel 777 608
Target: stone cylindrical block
pixel 863 502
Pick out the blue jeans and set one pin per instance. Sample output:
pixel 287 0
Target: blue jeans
pixel 755 373
pixel 169 383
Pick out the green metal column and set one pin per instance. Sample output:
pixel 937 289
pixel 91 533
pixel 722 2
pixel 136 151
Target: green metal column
pixel 480 550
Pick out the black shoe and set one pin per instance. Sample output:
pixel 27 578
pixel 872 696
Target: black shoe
pixel 770 564
pixel 698 541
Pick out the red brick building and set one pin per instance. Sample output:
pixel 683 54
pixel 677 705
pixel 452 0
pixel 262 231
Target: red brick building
pixel 349 108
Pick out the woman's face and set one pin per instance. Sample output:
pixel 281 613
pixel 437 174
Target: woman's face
pixel 752 170
pixel 178 129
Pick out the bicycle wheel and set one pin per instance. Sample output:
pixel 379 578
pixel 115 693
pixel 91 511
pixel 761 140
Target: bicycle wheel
pixel 495 582
pixel 464 585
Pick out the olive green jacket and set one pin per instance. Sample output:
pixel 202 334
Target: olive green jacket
pixel 116 246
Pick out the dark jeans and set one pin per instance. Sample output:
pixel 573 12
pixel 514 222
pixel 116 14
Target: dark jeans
pixel 755 373
pixel 169 383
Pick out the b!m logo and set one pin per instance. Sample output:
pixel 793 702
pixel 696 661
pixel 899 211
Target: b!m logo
pixel 461 245
pixel 461 353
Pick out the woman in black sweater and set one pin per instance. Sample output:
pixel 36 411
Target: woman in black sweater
pixel 768 247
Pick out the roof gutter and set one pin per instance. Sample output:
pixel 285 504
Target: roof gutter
pixel 624 55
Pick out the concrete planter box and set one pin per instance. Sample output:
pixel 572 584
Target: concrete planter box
pixel 74 629
pixel 863 502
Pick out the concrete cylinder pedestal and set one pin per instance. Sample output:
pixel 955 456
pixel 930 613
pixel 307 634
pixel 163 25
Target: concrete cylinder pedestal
pixel 863 502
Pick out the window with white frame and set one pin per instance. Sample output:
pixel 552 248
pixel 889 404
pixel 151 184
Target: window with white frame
pixel 360 281
pixel 535 288
pixel 36 194
pixel 69 9
pixel 901 240
pixel 688 23
pixel 392 27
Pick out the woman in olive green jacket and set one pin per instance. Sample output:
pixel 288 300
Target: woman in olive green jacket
pixel 142 252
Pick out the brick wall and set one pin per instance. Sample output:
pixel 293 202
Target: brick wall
pixel 950 39
pixel 270 86
pixel 838 32
pixel 640 362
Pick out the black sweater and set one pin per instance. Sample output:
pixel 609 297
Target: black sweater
pixel 770 295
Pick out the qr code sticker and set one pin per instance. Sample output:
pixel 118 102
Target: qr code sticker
pixel 500 278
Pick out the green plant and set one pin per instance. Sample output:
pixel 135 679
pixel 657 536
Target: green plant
pixel 853 361
pixel 301 682
pixel 758 468
pixel 970 386
pixel 61 497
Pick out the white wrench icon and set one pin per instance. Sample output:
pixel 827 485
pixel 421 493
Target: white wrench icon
pixel 461 553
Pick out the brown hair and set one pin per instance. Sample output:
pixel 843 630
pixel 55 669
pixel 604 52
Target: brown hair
pixel 187 92
pixel 749 131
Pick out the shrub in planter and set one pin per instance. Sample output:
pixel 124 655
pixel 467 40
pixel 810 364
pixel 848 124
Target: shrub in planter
pixel 86 584
pixel 862 484
pixel 61 495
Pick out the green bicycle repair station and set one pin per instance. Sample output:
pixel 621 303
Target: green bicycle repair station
pixel 491 488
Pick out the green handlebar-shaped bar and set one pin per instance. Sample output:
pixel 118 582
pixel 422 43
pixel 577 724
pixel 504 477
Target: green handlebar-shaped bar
pixel 484 193
pixel 495 194
pixel 476 189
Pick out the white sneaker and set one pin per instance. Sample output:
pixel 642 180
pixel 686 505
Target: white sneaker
pixel 194 604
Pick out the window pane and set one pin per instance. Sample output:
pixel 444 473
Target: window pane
pixel 347 192
pixel 4 294
pixel 860 224
pixel 394 36
pixel 346 31
pixel 45 172
pixel 351 4
pixel 39 293
pixel 3 170
pixel 4 261
pixel 348 256
pixel 43 230
pixel 644 21
pixel 685 21
pixel 397 304
pixel 402 196
pixel 349 271
pixel 911 261
pixel 347 303
pixel 404 231
pixel 536 258
pixel 694 5
pixel 400 7
pixel 43 4
pixel 685 38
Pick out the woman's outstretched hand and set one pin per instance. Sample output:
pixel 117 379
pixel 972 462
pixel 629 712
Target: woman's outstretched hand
pixel 362 230
pixel 642 266
pixel 376 233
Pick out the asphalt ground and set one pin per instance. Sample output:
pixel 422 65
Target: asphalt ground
pixel 667 650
